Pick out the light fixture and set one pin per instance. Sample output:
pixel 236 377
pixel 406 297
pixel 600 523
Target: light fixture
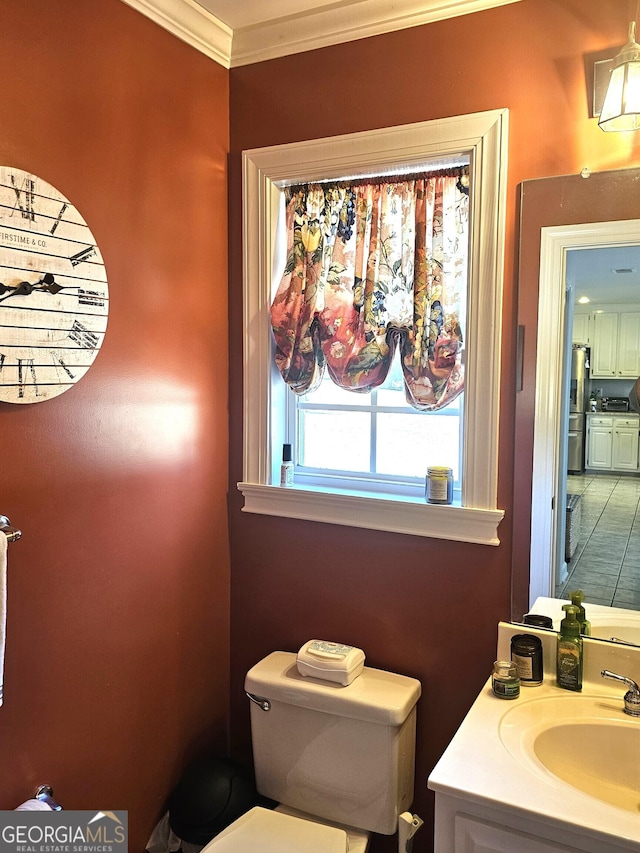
pixel 621 107
pixel 584 300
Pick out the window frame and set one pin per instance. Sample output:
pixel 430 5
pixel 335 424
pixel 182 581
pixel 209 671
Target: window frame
pixel 483 136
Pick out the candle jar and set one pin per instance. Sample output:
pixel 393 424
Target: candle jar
pixel 505 681
pixel 439 485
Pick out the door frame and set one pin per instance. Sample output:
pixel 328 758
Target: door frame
pixel 555 241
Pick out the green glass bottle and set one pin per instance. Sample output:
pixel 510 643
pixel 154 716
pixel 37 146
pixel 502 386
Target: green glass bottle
pixel 569 656
pixel 577 598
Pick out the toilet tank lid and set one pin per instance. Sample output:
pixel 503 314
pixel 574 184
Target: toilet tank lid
pixel 376 695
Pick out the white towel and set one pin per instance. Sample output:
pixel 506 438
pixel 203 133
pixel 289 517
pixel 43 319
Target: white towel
pixel 33 806
pixel 3 608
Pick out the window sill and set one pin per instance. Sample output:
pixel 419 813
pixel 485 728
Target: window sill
pixel 398 515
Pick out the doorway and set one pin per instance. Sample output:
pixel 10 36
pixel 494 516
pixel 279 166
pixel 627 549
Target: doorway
pixel 599 549
pixel 549 462
pixel 559 202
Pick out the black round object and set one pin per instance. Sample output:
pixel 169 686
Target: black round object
pixel 212 793
pixel 537 621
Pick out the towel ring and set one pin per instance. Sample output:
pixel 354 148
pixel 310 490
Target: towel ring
pixel 12 533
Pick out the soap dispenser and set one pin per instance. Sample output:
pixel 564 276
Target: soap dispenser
pixel 569 655
pixel 577 598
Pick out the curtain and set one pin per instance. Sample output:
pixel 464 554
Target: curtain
pixel 373 267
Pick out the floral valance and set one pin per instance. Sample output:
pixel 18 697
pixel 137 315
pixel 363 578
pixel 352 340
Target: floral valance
pixel 375 266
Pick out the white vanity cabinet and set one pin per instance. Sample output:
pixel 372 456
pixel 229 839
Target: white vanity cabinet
pixel 615 350
pixel 462 826
pixel 613 442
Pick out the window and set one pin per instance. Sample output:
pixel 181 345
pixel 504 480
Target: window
pixel 481 137
pixel 373 443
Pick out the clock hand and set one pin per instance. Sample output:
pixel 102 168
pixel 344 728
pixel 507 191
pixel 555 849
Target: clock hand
pixel 46 284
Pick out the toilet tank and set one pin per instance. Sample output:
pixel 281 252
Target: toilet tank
pixel 344 754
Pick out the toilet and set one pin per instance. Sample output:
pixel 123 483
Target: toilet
pixel 339 760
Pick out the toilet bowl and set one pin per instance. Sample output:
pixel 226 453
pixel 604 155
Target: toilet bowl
pixel 338 759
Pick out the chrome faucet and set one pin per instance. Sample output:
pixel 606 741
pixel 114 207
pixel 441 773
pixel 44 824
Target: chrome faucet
pixel 631 697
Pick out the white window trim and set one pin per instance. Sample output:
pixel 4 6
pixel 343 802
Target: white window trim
pixel 265 171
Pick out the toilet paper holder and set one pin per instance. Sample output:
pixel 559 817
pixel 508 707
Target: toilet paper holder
pixel 12 533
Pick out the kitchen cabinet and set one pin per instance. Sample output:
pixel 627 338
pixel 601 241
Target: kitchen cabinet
pixel 615 345
pixel 629 345
pixel 581 323
pixel 613 442
pixel 600 443
pixel 625 444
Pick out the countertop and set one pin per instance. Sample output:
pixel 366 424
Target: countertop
pixel 478 768
pixel 633 415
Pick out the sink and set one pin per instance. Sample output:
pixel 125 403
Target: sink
pixel 624 629
pixel 606 622
pixel 607 765
pixel 583 741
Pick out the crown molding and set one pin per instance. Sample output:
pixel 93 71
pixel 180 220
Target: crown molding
pixel 192 23
pixel 307 30
pixel 333 25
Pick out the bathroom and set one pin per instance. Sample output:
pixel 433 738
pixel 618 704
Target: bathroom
pixel 140 593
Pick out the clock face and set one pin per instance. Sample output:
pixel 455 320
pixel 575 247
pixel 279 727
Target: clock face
pixel 54 299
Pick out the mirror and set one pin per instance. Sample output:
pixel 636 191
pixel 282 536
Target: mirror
pixel 558 217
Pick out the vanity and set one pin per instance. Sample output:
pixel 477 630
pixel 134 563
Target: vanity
pixel 551 770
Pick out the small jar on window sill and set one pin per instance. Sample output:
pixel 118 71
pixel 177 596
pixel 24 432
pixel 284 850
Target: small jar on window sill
pixel 439 485
pixel 286 469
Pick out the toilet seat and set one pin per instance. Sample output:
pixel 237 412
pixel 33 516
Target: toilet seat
pixel 264 831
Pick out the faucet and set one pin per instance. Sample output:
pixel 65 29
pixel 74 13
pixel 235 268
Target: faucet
pixel 631 697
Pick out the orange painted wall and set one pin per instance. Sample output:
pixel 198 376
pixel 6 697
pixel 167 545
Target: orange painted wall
pixel 427 608
pixel 118 602
pixel 119 632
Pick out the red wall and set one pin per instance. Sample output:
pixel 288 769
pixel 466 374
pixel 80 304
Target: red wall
pixel 427 608
pixel 118 645
pixel 118 601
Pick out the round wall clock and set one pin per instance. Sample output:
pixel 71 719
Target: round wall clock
pixel 54 299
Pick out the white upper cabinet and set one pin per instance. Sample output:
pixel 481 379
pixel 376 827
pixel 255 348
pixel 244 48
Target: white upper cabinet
pixel 615 345
pixel 629 345
pixel 581 329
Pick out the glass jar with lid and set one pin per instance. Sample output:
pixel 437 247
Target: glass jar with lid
pixel 505 681
pixel 439 485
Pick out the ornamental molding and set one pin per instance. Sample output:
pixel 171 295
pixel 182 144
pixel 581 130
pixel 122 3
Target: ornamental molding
pixel 308 29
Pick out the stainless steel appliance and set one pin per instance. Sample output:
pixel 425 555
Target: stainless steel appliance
pixel 615 404
pixel 577 407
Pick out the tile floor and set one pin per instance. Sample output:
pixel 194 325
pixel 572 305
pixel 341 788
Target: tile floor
pixel 606 563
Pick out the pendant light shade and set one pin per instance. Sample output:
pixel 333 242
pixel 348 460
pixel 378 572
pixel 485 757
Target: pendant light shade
pixel 621 107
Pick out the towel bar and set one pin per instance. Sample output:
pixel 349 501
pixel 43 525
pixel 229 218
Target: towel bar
pixel 10 532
